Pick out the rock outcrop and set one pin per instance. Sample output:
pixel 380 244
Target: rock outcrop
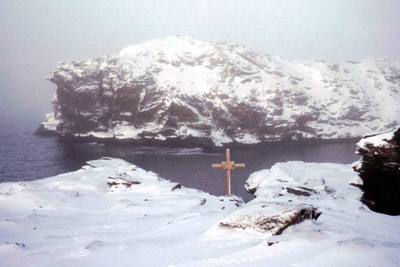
pixel 273 224
pixel 379 170
pixel 185 91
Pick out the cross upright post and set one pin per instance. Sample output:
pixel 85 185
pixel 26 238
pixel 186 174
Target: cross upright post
pixel 228 166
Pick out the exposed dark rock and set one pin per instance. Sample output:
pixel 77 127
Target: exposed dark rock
pixel 252 190
pixel 118 181
pixel 238 202
pixel 297 192
pixel 21 245
pixel 177 186
pixel 379 170
pixel 43 131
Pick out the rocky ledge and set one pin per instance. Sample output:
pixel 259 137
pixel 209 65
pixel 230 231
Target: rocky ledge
pixel 379 170
pixel 183 91
pixel 273 224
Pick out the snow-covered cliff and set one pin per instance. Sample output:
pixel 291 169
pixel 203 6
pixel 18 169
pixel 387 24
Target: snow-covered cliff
pixel 181 88
pixel 379 171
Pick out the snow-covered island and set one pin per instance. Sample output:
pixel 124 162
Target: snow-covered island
pixel 184 91
pixel 112 213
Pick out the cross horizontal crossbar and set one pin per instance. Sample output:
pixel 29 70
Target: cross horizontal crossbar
pixel 228 165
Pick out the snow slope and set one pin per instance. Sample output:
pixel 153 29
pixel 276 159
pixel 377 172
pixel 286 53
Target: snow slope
pixel 180 87
pixel 112 213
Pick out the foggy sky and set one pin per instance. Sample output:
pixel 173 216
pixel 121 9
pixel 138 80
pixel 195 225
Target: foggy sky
pixel 36 35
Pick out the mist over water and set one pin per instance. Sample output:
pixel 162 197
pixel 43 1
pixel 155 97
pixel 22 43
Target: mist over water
pixel 24 157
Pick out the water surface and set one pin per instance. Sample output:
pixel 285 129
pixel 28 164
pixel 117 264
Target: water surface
pixel 24 156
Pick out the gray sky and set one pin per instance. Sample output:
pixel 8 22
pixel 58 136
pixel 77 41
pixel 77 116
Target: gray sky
pixel 36 35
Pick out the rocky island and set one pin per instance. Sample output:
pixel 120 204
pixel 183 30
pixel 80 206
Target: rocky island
pixel 184 91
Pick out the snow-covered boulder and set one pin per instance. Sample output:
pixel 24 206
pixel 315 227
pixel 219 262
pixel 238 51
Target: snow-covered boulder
pixel 184 91
pixel 379 170
pixel 274 224
pixel 283 182
pixel 287 194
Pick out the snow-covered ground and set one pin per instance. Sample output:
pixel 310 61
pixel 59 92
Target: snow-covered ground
pixel 112 213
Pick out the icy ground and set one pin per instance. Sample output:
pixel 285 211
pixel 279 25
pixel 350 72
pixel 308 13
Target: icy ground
pixel 112 213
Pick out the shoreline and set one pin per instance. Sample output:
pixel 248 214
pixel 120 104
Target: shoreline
pixel 189 142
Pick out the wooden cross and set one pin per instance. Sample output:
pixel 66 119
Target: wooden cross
pixel 228 166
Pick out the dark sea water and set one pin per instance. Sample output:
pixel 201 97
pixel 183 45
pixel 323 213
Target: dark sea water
pixel 24 157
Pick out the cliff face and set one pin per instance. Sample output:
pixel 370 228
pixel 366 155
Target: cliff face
pixel 379 169
pixel 181 88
